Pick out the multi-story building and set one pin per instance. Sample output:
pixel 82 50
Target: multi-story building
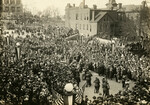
pixel 92 21
pixel 10 9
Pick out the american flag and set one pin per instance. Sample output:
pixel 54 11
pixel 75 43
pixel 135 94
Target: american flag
pixel 58 99
pixel 79 96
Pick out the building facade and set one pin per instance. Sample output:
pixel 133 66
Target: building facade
pixel 92 21
pixel 10 9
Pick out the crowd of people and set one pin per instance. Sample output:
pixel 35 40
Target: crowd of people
pixel 38 70
pixel 138 96
pixel 49 62
pixel 119 64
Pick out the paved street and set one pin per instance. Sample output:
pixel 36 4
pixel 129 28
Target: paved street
pixel 114 86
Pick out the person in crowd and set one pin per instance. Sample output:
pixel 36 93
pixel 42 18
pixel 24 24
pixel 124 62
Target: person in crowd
pixel 127 84
pixel 123 81
pixel 107 88
pixel 88 76
pixel 97 85
pixel 104 86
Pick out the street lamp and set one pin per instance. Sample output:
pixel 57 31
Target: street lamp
pixel 68 98
pixel 7 40
pixel 18 51
pixel 113 46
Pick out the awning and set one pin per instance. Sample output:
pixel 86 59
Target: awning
pixel 103 41
pixel 73 37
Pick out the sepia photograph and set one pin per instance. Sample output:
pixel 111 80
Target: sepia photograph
pixel 74 52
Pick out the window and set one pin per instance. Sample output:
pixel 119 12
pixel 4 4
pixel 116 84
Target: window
pixel 77 17
pixel 83 26
pixel 12 1
pixel 80 26
pixel 81 16
pixel 12 9
pixel 6 1
pixel 107 27
pixel 90 28
pixel 87 27
pixel 18 9
pixel 87 18
pixel 100 27
pixel 76 26
pixel 6 9
pixel 18 2
pixel 0 2
pixel 84 16
pixel 0 9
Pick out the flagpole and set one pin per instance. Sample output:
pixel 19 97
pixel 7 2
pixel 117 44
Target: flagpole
pixel 69 97
pixel 18 50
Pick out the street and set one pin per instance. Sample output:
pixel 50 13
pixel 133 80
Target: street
pixel 115 87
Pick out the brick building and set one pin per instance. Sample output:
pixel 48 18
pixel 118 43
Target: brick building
pixel 10 9
pixel 92 21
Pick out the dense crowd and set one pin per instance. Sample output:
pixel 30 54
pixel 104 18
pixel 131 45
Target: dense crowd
pixel 41 68
pixel 118 64
pixel 38 70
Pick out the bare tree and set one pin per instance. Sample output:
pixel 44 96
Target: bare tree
pixel 145 26
pixel 51 12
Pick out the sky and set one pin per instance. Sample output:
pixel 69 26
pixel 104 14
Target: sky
pixel 36 5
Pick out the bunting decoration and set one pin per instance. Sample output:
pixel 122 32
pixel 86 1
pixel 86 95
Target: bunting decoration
pixel 79 96
pixel 58 99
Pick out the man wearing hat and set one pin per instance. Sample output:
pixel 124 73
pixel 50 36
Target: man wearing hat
pixel 88 76
pixel 97 85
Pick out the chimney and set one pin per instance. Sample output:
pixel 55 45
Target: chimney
pixel 143 4
pixel 120 5
pixel 94 6
pixel 93 15
pixel 83 3
pixel 68 5
pixel 74 5
pixel 111 8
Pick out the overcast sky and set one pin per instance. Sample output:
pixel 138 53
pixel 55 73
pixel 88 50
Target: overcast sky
pixel 35 5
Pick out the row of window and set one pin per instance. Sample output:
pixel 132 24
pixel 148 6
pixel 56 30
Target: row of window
pixel 12 9
pixel 84 27
pixel 12 1
pixel 82 17
pixel 104 26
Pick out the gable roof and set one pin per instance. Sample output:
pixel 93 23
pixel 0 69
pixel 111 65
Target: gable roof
pixel 99 16
pixel 113 16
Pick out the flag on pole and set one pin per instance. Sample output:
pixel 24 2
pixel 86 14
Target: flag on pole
pixel 58 99
pixel 79 96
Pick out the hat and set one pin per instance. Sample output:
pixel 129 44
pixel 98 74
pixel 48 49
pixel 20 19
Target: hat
pixel 94 97
pixel 100 94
